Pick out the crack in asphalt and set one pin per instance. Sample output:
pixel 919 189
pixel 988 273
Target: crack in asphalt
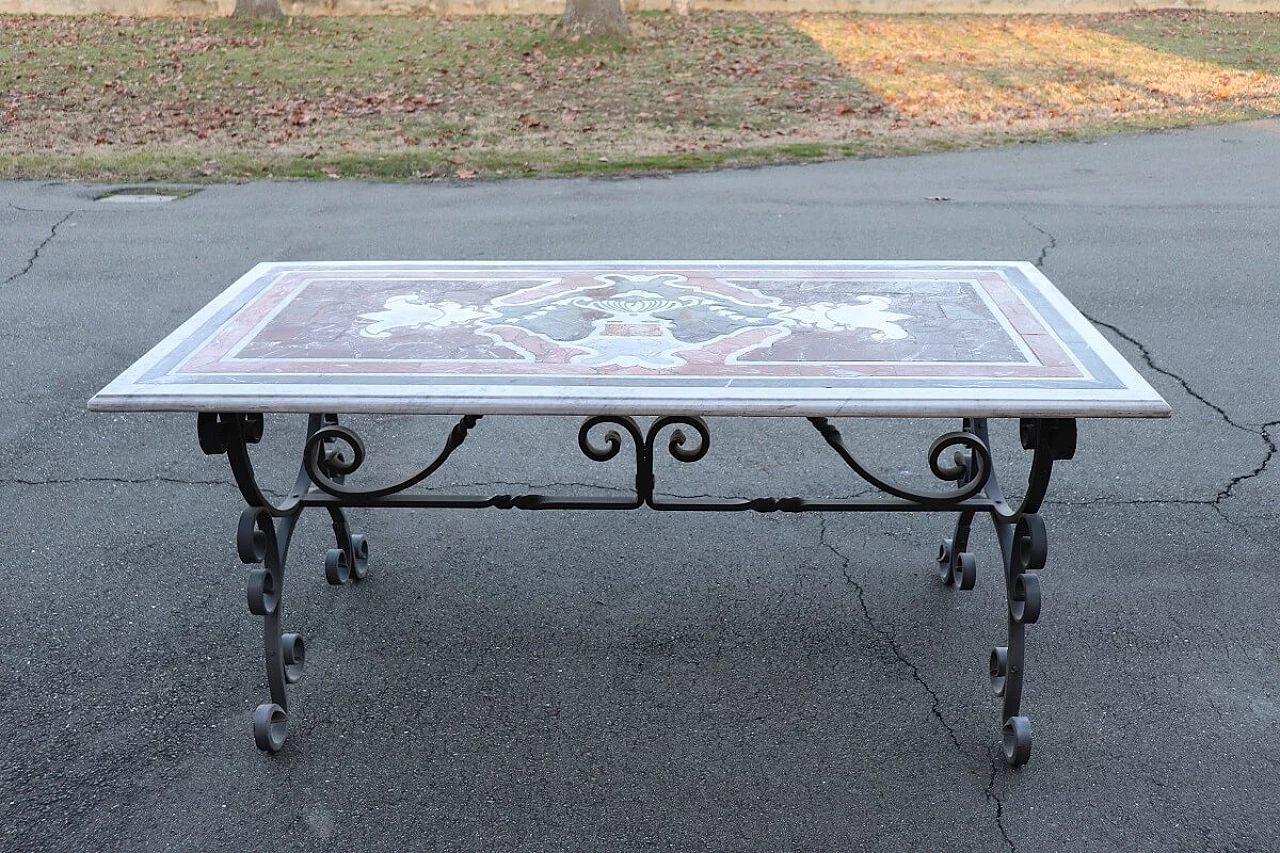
pixel 1047 248
pixel 31 261
pixel 885 634
pixel 997 761
pixel 76 481
pixel 525 488
pixel 43 209
pixel 1263 431
pixel 1135 502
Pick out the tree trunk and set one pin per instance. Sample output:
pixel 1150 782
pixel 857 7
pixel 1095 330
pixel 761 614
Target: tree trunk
pixel 258 9
pixel 594 18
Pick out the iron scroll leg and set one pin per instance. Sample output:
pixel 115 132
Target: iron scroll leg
pixel 1024 546
pixel 263 538
pixel 1023 549
pixel 264 543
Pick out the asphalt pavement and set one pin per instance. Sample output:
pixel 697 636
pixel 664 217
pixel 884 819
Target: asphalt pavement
pixel 569 681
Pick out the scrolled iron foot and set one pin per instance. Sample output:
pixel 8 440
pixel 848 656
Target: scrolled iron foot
pixel 350 560
pixel 956 568
pixel 337 568
pixel 1016 737
pixel 344 564
pixel 270 726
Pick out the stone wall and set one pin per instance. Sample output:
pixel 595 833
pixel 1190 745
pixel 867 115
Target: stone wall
pixel 540 7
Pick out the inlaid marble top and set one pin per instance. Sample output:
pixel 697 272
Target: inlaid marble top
pixel 817 338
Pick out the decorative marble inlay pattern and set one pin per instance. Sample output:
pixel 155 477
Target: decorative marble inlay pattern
pixel 644 321
pixel 682 323
pixel 409 311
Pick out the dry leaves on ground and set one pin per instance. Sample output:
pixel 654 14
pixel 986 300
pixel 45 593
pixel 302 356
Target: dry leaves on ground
pixel 473 97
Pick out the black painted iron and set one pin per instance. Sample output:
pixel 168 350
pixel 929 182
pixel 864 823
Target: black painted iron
pixel 332 452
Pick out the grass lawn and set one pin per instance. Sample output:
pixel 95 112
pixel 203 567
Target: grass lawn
pixel 420 98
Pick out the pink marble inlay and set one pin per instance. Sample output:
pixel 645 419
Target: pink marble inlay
pixel 753 323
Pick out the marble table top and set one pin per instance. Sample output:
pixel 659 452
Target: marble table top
pixel 815 338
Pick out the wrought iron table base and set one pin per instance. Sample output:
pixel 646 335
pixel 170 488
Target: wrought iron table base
pixel 332 452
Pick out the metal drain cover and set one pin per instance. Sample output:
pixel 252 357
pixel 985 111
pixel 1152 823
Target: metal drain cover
pixel 145 195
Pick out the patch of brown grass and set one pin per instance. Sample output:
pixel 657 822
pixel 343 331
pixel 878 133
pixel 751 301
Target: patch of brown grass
pixel 429 97
pixel 1032 74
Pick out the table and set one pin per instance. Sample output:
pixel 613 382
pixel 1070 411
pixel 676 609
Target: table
pixel 616 343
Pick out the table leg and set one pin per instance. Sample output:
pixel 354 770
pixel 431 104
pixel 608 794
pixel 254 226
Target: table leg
pixel 262 541
pixel 1023 548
